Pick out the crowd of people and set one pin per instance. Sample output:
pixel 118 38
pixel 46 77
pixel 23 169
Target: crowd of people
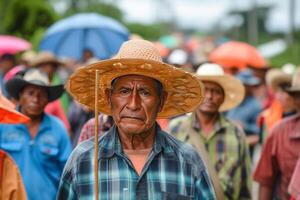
pixel 169 127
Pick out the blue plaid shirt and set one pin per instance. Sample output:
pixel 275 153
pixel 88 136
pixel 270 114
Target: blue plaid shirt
pixel 173 171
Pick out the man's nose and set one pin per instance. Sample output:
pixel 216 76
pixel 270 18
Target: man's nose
pixel 134 101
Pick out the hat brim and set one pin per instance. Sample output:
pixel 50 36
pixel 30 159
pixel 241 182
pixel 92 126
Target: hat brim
pixel 185 91
pixel 15 85
pixel 233 88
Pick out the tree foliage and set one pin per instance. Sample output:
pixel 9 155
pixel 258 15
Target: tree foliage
pixel 23 18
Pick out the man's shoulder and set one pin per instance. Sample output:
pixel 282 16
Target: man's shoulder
pixel 184 151
pixel 82 152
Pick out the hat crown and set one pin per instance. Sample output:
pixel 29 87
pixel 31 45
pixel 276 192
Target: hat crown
pixel 36 76
pixel 296 80
pixel 210 69
pixel 139 49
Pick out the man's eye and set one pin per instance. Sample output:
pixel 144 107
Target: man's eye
pixel 124 91
pixel 144 93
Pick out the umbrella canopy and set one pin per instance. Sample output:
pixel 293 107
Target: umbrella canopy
pixel 11 44
pixel 237 54
pixel 70 36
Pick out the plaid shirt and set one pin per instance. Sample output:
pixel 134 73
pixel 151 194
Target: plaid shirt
pixel 173 170
pixel 228 152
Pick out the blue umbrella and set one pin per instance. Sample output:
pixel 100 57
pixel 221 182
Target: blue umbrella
pixel 70 36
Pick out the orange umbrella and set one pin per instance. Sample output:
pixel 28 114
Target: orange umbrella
pixel 8 114
pixel 237 54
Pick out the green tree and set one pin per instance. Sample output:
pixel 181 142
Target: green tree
pixel 106 9
pixel 24 18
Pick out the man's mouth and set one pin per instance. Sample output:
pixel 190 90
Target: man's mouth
pixel 132 117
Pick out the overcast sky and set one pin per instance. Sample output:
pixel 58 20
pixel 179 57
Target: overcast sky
pixel 202 15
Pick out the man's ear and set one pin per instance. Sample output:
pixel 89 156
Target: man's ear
pixel 163 99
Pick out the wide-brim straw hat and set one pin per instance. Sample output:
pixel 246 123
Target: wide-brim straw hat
pixel 295 88
pixel 234 89
pixel 45 57
pixel 33 77
pixel 137 57
pixel 276 77
pixel 8 114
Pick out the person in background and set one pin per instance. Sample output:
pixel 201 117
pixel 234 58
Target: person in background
pixel 246 114
pixel 48 63
pixel 282 105
pixel 280 152
pixel 137 160
pixel 11 184
pixel 40 147
pixel 224 142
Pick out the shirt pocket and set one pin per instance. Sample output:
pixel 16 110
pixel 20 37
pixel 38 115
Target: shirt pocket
pixel 175 196
pixel 48 150
pixel 11 146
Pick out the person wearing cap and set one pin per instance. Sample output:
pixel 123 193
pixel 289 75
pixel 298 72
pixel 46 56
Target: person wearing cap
pixel 41 146
pixel 224 142
pixel 137 160
pixel 282 104
pixel 48 63
pixel 247 112
pixel 280 152
pixel 11 184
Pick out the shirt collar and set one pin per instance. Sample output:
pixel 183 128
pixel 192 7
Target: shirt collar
pixel 111 144
pixel 220 123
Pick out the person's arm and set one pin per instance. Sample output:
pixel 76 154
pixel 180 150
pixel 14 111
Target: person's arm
pixel 265 192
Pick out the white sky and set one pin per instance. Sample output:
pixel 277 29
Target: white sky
pixel 202 14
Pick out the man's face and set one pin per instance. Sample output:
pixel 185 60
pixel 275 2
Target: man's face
pixel 134 104
pixel 33 100
pixel 213 99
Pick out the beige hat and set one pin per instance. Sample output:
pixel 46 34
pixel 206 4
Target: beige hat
pixel 28 56
pixel 233 88
pixel 140 57
pixel 276 77
pixel 45 57
pixel 295 88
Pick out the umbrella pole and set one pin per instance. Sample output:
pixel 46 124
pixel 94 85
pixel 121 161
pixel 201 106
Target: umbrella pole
pixel 96 186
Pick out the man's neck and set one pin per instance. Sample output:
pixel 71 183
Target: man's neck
pixel 138 141
pixel 207 121
pixel 33 125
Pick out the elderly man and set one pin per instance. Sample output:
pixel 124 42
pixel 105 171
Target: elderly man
pixel 41 146
pixel 137 160
pixel 224 142
pixel 280 152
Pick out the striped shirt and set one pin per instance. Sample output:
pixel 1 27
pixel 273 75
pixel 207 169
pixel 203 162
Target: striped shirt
pixel 173 170
pixel 227 150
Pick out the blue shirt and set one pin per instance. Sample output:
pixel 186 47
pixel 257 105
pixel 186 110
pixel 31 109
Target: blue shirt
pixel 173 170
pixel 40 160
pixel 247 113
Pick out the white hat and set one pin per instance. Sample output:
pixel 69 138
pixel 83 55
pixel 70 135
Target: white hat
pixel 233 88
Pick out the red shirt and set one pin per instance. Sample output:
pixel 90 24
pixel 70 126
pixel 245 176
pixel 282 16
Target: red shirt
pixel 280 155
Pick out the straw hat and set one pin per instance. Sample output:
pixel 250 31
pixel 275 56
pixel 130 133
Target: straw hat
pixel 276 77
pixel 33 77
pixel 295 88
pixel 140 57
pixel 8 114
pixel 233 88
pixel 45 57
